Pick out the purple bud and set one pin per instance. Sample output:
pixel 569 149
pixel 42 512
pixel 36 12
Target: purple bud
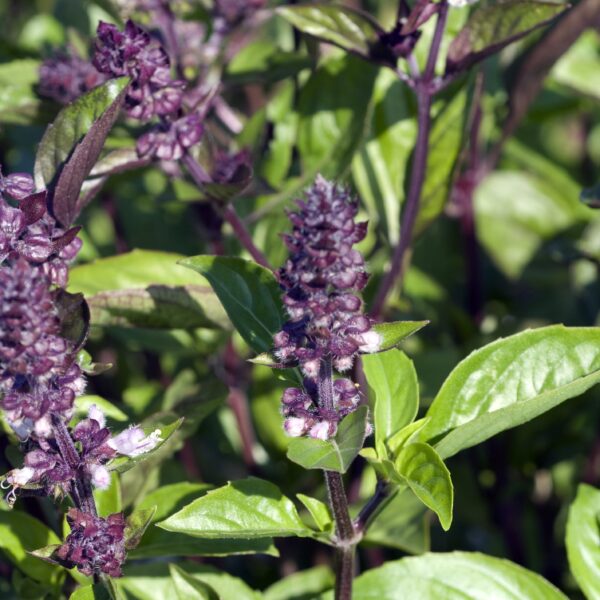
pixel 95 545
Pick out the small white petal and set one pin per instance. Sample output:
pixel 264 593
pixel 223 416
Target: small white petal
pixel 20 477
pixel 321 431
pixel 95 413
pixel 371 342
pixel 461 3
pixel 133 441
pixel 310 368
pixel 43 427
pixel 100 477
pixel 295 426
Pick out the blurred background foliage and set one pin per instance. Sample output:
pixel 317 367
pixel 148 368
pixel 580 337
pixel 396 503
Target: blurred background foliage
pixel 524 253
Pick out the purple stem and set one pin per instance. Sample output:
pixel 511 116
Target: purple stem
pixel 81 493
pixel 201 178
pixel 345 535
pixel 424 90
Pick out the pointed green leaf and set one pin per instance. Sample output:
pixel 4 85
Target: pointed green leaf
pixel 428 477
pixel 318 510
pixel 246 509
pixel 301 585
pixel 83 404
pixel 145 288
pixel 157 542
pixel 18 101
pixel 394 387
pixel 345 27
pixel 72 144
pixel 492 27
pixel 189 588
pixel 337 453
pixel 90 592
pixel 583 540
pixel 333 107
pixel 21 534
pixel 136 526
pixel 453 576
pixel 510 382
pixel 393 333
pixel 249 294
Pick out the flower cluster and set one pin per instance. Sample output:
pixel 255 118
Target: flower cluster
pixel 65 76
pixel 95 545
pixel 40 379
pixel 37 371
pixel 152 91
pixel 320 280
pixel 133 53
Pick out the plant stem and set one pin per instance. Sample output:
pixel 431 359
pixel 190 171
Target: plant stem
pixel 345 536
pixel 424 90
pixel 82 489
pixel 201 178
pixel 383 493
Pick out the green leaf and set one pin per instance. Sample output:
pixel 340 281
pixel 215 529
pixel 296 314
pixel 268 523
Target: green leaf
pixel 21 534
pixel 405 435
pixel 136 526
pixel 86 364
pixel 18 101
pixel 379 167
pixel 246 509
pixel 83 404
pixel 318 510
pixel 337 453
pixel 453 576
pixel 350 29
pixel 401 524
pixel 445 142
pixel 394 386
pixel 109 501
pixel 249 294
pixel 72 144
pixel 145 288
pixel 302 585
pixel 143 584
pixel 425 473
pixel 396 331
pixel 124 463
pixel 511 230
pixel 510 382
pixel 189 588
pixel 333 106
pixel 490 28
pixel 158 542
pixel 90 592
pixel 583 540
pixel 579 68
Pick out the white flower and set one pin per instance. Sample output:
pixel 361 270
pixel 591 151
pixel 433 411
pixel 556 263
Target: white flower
pixel 43 427
pixel 322 431
pixel 20 477
pixel 371 342
pixel 95 413
pixel 100 476
pixel 133 441
pixel 310 368
pixel 343 363
pixel 295 426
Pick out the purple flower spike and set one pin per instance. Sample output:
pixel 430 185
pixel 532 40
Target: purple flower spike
pixel 65 76
pixel 169 141
pixel 135 54
pixel 95 545
pixel 320 280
